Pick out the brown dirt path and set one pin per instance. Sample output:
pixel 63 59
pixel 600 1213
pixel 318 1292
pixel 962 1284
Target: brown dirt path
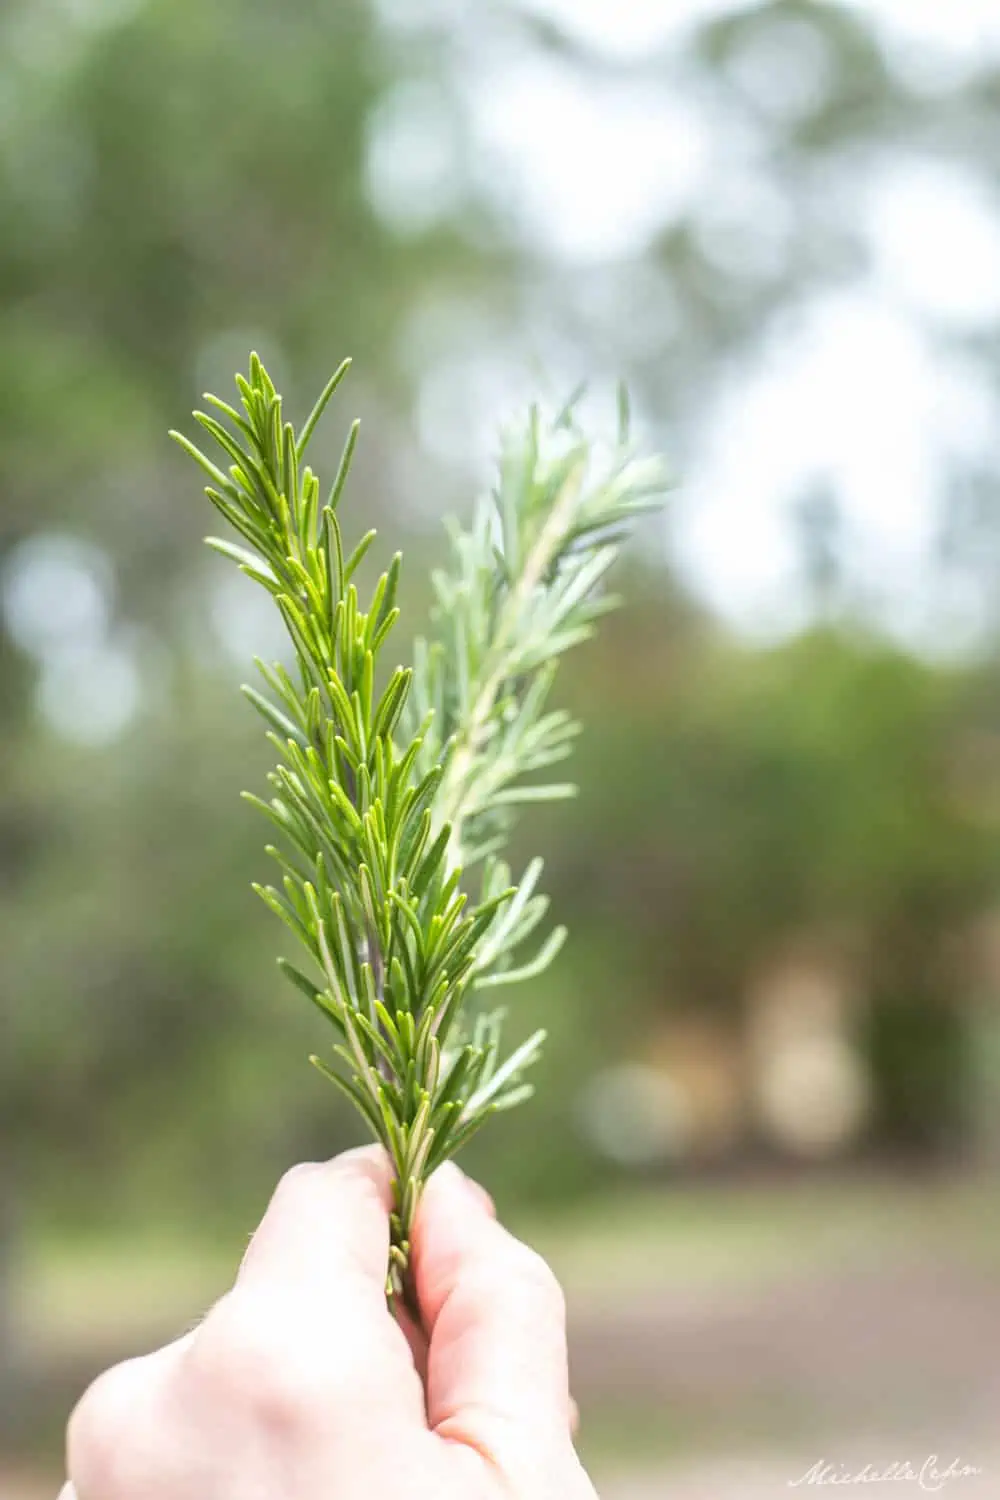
pixel 894 1346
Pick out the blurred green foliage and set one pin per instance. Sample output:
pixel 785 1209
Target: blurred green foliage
pixel 178 181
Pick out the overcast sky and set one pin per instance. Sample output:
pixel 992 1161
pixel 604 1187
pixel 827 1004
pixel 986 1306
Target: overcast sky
pixel 855 392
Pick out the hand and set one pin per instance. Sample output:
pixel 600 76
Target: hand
pixel 301 1385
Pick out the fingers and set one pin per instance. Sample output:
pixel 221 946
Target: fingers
pixel 312 1282
pixel 417 1338
pixel 326 1231
pixel 303 1342
pixel 416 1335
pixel 495 1317
pixel 304 1345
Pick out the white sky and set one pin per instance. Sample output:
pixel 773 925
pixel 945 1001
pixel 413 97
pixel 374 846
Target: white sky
pixel 854 396
pixel 961 28
pixel 855 392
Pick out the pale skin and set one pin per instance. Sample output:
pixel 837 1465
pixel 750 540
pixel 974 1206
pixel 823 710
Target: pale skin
pixel 300 1384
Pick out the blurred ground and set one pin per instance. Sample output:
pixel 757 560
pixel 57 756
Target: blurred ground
pixel 748 1479
pixel 723 1339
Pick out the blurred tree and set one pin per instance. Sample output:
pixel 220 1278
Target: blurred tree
pixel 733 799
pixel 178 181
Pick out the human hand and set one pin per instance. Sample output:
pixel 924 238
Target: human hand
pixel 301 1385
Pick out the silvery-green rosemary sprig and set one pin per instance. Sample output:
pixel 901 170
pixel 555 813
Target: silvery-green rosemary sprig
pixel 391 785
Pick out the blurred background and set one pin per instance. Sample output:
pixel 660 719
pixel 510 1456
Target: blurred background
pixel 763 1153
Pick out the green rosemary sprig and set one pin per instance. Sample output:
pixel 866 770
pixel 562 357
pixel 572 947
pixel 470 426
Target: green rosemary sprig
pixel 386 793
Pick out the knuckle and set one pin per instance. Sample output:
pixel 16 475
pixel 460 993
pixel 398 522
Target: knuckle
pixel 98 1436
pixel 536 1278
pixel 290 1199
pixel 288 1398
pixel 234 1347
pixel 297 1183
pixel 292 1182
pixel 264 1361
pixel 92 1444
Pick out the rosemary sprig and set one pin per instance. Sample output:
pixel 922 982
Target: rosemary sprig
pixel 384 797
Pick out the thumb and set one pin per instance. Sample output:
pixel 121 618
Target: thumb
pixel 494 1313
